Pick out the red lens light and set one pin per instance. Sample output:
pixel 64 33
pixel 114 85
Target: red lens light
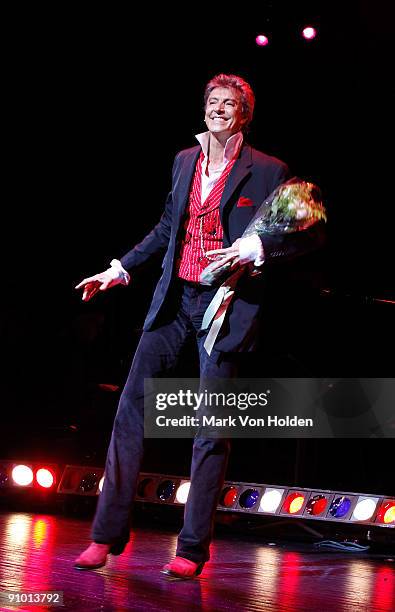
pixel 45 478
pixel 228 497
pixel 316 505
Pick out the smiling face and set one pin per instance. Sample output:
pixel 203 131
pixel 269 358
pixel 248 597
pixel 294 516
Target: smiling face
pixel 224 116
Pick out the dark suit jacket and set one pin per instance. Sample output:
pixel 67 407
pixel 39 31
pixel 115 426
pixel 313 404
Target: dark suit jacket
pixel 254 176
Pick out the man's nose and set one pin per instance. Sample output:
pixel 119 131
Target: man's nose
pixel 220 107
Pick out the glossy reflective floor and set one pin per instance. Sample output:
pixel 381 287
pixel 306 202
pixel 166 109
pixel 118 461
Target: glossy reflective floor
pixel 246 574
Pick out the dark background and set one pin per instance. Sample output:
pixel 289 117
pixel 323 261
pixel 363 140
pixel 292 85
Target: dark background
pixel 98 103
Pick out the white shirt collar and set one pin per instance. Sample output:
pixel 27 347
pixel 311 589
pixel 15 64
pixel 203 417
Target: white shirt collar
pixel 232 147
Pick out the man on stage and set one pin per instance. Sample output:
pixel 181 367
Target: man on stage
pixel 216 189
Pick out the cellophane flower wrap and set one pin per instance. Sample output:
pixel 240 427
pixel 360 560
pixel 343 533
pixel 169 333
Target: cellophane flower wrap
pixel 292 207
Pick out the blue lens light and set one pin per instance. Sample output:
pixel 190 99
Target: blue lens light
pixel 88 482
pixel 249 498
pixel 165 489
pixel 340 506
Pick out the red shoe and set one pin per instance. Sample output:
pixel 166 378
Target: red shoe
pixel 93 557
pixel 183 569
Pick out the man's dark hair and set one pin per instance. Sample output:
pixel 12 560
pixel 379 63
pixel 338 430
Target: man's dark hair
pixel 247 97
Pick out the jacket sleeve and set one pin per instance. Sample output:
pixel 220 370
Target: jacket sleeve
pixel 288 246
pixel 156 242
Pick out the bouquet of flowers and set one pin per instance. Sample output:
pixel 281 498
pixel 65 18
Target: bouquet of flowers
pixel 292 207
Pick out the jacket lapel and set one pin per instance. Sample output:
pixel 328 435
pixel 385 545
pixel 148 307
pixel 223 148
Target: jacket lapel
pixel 185 178
pixel 239 171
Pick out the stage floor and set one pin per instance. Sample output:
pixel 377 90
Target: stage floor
pixel 244 573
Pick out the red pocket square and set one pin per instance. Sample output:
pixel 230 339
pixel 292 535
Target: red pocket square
pixel 244 202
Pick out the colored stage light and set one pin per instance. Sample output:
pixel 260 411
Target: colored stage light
pixel 80 480
pixel 364 508
pixel 262 40
pixel 309 33
pixel 88 482
pixel 294 502
pixel 165 490
pixel 249 498
pixel 271 499
pixel 386 514
pixel 228 497
pixel 3 476
pixel 146 488
pixel 340 507
pixel 22 475
pixel 316 505
pixel 45 478
pixel 182 492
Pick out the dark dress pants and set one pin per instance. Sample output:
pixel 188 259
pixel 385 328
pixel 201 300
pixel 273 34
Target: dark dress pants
pixel 157 356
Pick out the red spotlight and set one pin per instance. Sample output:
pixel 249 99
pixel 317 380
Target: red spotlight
pixel 45 478
pixel 294 502
pixel 309 33
pixel 228 496
pixel 262 40
pixel 386 513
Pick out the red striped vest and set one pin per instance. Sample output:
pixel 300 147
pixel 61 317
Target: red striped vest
pixel 202 225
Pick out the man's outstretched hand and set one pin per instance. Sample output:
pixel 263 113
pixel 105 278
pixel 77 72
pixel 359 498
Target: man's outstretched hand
pixel 98 282
pixel 115 275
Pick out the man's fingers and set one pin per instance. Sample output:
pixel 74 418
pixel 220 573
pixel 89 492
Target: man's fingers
pixel 85 281
pixel 221 262
pixel 234 248
pixel 81 284
pixel 219 251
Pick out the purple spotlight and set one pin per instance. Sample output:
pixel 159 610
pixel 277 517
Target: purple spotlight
pixel 262 40
pixel 309 33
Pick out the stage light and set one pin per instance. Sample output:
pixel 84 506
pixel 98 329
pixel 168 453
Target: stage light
pixel 340 507
pixel 45 478
pixel 165 490
pixel 147 488
pixel 364 508
pixel 182 492
pixel 271 500
pixel 3 476
pixel 88 482
pixel 248 498
pixel 309 33
pixel 80 480
pixel 316 505
pixel 254 498
pixel 386 514
pixel 262 40
pixel 293 502
pixel 22 475
pixel 228 497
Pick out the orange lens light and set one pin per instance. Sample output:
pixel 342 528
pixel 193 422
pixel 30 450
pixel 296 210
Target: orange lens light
pixel 294 502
